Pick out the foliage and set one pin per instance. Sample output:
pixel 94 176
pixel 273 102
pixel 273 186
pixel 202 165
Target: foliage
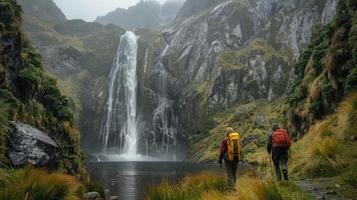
pixel 33 184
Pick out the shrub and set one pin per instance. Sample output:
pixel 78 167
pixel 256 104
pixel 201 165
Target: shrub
pixel 336 55
pixel 30 81
pixel 351 80
pixel 33 184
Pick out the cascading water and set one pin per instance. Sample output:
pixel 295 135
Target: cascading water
pixel 119 126
pixel 122 132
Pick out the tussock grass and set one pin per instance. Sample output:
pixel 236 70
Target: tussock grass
pixel 326 150
pixel 35 184
pixel 254 189
pixel 207 187
pixel 326 159
pixel 192 187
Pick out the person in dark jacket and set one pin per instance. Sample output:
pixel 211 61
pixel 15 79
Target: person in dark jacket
pixel 230 166
pixel 279 155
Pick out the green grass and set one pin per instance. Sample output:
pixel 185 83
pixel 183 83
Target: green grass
pixel 34 184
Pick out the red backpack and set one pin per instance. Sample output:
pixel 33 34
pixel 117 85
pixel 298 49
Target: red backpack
pixel 280 138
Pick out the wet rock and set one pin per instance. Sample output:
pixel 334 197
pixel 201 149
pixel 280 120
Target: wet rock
pixel 321 198
pixel 114 198
pixel 29 145
pixel 331 192
pixel 93 196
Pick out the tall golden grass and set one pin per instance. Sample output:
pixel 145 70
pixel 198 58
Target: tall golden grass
pixel 324 150
pixel 35 184
pixel 325 159
pixel 192 187
pixel 255 189
pixel 211 187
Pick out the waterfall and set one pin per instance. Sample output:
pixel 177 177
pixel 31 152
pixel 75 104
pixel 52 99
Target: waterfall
pixel 119 125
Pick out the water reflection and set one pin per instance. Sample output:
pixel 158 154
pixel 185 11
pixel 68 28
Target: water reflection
pixel 130 180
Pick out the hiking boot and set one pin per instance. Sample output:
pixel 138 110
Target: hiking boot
pixel 285 173
pixel 278 173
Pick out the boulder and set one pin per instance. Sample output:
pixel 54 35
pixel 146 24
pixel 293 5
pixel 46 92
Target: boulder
pixel 29 145
pixel 93 195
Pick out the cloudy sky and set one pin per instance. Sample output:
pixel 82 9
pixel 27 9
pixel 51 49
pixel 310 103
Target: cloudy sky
pixel 90 9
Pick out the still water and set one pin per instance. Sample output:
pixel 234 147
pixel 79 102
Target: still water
pixel 131 180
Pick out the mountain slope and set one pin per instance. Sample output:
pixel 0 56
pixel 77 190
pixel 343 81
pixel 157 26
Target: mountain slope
pixel 43 10
pixel 145 14
pixel 218 56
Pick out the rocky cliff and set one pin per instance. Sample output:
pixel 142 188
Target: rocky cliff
pixel 28 95
pixel 219 54
pixel 216 57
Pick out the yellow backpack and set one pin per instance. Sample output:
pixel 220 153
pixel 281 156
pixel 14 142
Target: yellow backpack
pixel 234 147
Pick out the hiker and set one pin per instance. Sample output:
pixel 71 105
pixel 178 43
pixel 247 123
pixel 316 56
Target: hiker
pixel 278 146
pixel 230 151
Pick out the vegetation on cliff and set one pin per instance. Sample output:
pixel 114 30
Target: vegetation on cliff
pixel 29 95
pixel 326 71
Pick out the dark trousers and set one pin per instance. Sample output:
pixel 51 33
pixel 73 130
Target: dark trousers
pixel 280 157
pixel 231 170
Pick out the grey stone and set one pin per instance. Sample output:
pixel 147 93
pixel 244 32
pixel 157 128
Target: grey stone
pixel 93 195
pixel 29 145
